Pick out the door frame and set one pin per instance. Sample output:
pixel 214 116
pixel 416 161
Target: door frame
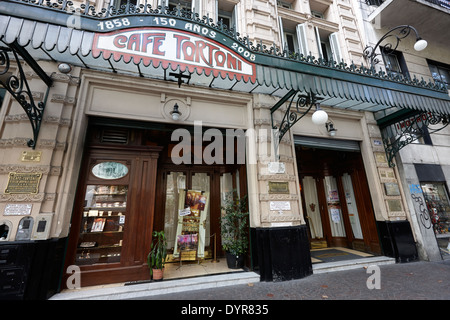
pixel 139 214
pixel 354 166
pixel 215 172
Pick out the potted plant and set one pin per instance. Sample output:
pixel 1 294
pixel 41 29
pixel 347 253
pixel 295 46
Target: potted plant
pixel 234 227
pixel 156 259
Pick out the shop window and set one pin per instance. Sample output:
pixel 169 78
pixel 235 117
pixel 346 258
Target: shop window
pixel 438 205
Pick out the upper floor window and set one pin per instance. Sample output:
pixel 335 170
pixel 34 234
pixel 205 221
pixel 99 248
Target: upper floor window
pixel 293 37
pixel 284 4
pixel 395 63
pixel 188 5
pixel 440 72
pixel 226 11
pixel 328 45
pixel 119 3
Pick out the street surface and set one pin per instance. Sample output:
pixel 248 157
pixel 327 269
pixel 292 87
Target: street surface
pixel 406 281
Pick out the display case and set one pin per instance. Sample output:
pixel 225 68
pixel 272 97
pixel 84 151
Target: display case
pixel 102 225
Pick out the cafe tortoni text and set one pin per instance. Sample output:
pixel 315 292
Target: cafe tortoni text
pixel 159 45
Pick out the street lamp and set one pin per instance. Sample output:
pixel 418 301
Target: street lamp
pixel 403 31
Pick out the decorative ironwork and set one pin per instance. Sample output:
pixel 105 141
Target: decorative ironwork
pixel 88 10
pixel 18 87
pixel 403 32
pixel 400 134
pixel 303 103
pixel 180 77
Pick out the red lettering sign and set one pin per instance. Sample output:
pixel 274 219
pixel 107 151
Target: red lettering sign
pixel 176 48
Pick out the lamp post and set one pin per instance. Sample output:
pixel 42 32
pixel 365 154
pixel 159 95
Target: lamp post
pixel 403 31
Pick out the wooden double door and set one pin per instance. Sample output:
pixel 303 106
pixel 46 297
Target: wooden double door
pixel 336 200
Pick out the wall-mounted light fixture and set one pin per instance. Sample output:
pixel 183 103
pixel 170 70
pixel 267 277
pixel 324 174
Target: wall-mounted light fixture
pixel 330 128
pixel 403 31
pixel 319 116
pixel 175 113
pixel 64 68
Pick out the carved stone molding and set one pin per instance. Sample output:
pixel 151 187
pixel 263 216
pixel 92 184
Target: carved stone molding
pixel 22 143
pixel 277 177
pixel 39 197
pixel 44 169
pixel 61 98
pixel 47 119
pixel 286 197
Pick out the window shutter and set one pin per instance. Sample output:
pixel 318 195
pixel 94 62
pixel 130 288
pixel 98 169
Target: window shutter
pixel 197 7
pixel 319 43
pixel 283 39
pixel 335 47
pixel 163 3
pixel 235 19
pixel 302 39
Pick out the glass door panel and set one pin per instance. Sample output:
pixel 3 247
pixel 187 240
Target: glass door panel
pixel 312 207
pixel 103 224
pixel 201 182
pixel 351 206
pixel 334 207
pixel 176 181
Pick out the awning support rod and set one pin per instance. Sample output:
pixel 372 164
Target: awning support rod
pixel 408 129
pixel 19 88
pixel 303 103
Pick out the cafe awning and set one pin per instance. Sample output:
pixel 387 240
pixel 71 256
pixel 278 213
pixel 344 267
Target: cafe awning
pixel 101 41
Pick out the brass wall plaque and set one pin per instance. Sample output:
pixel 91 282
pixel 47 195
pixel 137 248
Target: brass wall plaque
pixel 278 187
pixel 391 189
pixel 394 205
pixel 31 156
pixel 23 183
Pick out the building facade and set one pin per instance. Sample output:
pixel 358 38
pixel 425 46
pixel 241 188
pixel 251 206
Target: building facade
pixel 146 115
pixel 423 160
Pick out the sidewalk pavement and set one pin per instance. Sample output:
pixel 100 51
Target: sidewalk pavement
pixel 419 280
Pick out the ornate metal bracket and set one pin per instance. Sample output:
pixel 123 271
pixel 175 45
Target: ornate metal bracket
pixel 403 31
pixel 303 103
pixel 400 134
pixel 18 87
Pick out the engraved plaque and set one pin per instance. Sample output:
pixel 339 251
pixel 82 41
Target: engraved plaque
pixel 27 183
pixel 380 157
pixel 31 156
pixel 278 187
pixel 394 205
pixel 280 205
pixel 276 167
pixel 17 209
pixel 391 189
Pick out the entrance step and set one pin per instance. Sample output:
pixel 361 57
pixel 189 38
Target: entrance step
pixel 351 264
pixel 140 290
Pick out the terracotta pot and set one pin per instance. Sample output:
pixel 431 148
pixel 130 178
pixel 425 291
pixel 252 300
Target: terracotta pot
pixel 158 274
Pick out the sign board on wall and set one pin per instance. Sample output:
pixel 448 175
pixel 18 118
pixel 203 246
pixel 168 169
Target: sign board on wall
pixel 179 49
